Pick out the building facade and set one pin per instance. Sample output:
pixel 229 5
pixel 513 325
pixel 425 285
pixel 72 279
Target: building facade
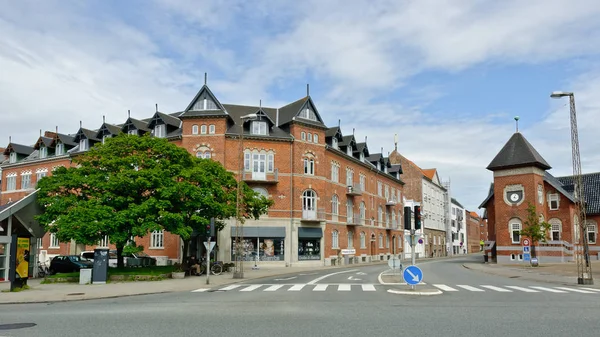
pixel 458 228
pixel 521 179
pixel 335 201
pixel 476 232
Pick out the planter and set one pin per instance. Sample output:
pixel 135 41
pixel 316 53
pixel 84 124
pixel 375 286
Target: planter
pixel 178 275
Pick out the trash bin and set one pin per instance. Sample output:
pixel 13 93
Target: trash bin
pixel 485 258
pixel 85 276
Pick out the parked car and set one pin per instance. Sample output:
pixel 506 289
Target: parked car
pixel 89 256
pixel 139 259
pixel 68 264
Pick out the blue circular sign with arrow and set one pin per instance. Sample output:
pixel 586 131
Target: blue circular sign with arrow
pixel 412 275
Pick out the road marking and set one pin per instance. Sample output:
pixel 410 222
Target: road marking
pixel 200 290
pixel 469 287
pixel 444 287
pixel 252 287
pixel 285 279
pixel 576 290
pixel 361 273
pixel 274 287
pixel 354 279
pixel 549 289
pixel 297 287
pixel 592 289
pixel 344 287
pixel 526 290
pixel 231 287
pixel 320 287
pixel 308 274
pixel 325 276
pixel 502 290
pixel 368 287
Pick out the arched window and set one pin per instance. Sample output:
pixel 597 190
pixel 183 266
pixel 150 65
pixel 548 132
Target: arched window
pixel 380 240
pixel 194 129
pixel 514 227
pixel 387 241
pixel 211 129
pixel 349 211
pixel 350 239
pixel 555 229
pixel 262 191
pixel 335 239
pixel 363 212
pixel 591 231
pixel 309 200
pixel 203 129
pixel 334 207
pixel 363 240
pixel 309 166
pixel 380 216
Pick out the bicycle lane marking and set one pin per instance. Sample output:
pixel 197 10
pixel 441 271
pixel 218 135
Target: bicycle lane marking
pixel 326 276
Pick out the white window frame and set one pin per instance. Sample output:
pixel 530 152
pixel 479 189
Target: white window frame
pixel 303 135
pixel 334 143
pixel 270 162
pixel 335 244
pixel 316 138
pixel 363 212
pixel 60 149
pixel 40 173
pixel 362 182
pixel 379 216
pixel 540 194
pixel 160 131
pixel 40 243
pixel 54 243
pixel 26 180
pixel 157 239
pixel 309 137
pixel 309 166
pixel 12 157
pixel 515 226
pixel 350 239
pixel 335 172
pixel 363 240
pixel 211 129
pixel 380 240
pixel 591 233
pixel 43 152
pixel 349 177
pixel 349 211
pixel 555 228
pixel 259 128
pixel 132 132
pixel 335 207
pixel 11 182
pixel 194 129
pixel 349 150
pixel 554 197
pixel 379 189
pixel 83 144
pixel 387 241
pixel 203 129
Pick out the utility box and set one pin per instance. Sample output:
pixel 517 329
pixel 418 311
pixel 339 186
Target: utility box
pixel 100 270
pixel 85 276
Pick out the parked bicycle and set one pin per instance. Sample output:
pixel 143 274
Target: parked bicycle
pixel 216 268
pixel 43 270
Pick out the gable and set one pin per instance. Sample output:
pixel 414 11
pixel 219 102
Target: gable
pixel 204 100
pixel 309 112
pixel 302 110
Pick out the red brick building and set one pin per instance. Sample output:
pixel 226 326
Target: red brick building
pixel 476 232
pixel 335 201
pixel 520 179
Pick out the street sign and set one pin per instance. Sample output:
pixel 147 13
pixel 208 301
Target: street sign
pixel 420 241
pixel 212 245
pixel 412 275
pixel 526 249
pixel 525 242
pixel 395 263
pixel 526 257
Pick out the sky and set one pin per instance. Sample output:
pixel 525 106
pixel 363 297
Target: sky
pixel 447 76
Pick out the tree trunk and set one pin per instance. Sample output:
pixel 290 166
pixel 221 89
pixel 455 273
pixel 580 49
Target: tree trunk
pixel 533 254
pixel 184 252
pixel 120 262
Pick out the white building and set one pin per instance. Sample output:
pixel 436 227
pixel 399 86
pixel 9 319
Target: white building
pixel 458 228
pixel 433 214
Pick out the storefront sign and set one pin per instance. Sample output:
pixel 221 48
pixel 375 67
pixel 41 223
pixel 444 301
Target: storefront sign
pixel 308 257
pixel 22 264
pixel 348 251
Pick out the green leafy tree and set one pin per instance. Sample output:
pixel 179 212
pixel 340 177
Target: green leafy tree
pixel 131 186
pixel 534 229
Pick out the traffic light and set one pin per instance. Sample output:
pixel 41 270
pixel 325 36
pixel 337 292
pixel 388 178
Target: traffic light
pixel 210 228
pixel 407 217
pixel 417 217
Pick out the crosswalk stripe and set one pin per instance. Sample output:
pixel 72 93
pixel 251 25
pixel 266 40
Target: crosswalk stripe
pixel 252 287
pixel 368 287
pixel 444 287
pixel 201 290
pixel 592 289
pixel 549 289
pixel 576 290
pixel 231 287
pixel 320 287
pixel 469 288
pixel 526 290
pixel 502 290
pixel 297 287
pixel 344 287
pixel 274 287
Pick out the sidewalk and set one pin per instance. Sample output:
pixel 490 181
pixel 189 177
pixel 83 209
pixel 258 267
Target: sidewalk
pixel 561 273
pixel 58 292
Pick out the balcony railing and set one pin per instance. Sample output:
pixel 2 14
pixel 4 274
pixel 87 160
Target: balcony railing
pixel 391 201
pixel 355 220
pixel 260 177
pixel 354 189
pixel 393 224
pixel 317 215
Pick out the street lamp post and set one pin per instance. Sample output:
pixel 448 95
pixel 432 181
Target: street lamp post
pixel 238 269
pixel 584 267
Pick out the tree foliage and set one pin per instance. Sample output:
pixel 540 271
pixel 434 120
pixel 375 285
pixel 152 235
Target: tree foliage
pixel 131 186
pixel 534 229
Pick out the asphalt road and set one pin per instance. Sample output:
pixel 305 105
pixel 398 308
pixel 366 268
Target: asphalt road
pixel 343 302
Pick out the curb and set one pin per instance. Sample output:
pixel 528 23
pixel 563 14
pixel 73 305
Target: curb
pixel 415 293
pixel 522 277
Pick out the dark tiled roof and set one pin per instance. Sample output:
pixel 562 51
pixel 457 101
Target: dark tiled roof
pixel 362 147
pixel 517 152
pixel 89 134
pixel 591 186
pixel 175 133
pixel 550 179
pixel 192 113
pixel 67 140
pixel 47 142
pixel 202 113
pixel 395 169
pixel 333 131
pixel 169 120
pixel 19 149
pixel 138 124
pixel 375 157
pixel 112 129
pixel 288 112
pixel 237 111
pixel 489 196
pixel 347 140
pixel 454 201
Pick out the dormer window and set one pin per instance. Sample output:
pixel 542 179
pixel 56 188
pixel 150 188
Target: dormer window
pixel 43 152
pixel 259 128
pixel 349 150
pixel 12 157
pixel 60 148
pixel 105 137
pixel 204 104
pixel 83 144
pixel 362 156
pixel 159 131
pixel 379 166
pixel 334 143
pixel 132 132
pixel 308 114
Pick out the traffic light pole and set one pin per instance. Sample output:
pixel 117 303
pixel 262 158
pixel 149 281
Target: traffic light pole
pixel 208 260
pixel 412 247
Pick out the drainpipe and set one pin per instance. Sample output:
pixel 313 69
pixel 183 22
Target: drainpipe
pixel 291 200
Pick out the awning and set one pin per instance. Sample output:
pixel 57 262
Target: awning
pixel 310 233
pixel 260 231
pixel 25 210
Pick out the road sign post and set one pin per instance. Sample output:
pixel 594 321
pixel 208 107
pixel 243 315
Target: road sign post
pixel 395 264
pixel 526 250
pixel 412 275
pixel 209 247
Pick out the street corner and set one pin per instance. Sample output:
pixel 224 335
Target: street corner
pixel 417 291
